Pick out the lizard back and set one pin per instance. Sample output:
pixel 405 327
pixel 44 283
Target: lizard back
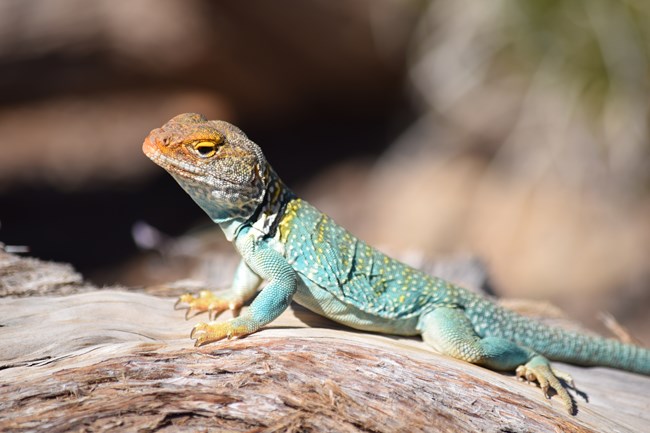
pixel 352 271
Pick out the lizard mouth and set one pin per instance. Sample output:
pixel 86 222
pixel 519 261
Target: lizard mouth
pixel 178 167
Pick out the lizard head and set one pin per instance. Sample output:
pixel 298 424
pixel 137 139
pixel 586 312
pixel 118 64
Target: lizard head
pixel 219 167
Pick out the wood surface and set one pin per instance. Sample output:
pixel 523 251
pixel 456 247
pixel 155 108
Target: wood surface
pixel 119 360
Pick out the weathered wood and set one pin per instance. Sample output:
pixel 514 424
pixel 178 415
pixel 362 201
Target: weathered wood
pixel 109 360
pixel 25 276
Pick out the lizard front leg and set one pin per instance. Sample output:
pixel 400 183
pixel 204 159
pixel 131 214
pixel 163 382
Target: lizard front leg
pixel 267 306
pixel 244 285
pixel 450 331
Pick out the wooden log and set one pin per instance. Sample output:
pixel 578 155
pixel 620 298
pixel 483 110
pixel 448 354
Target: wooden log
pixel 114 360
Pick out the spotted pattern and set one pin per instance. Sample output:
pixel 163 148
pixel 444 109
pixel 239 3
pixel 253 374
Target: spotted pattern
pixel 354 272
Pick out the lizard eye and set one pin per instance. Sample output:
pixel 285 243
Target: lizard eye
pixel 205 149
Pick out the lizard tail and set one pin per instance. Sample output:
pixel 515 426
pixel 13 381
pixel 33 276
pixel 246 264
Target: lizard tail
pixel 577 348
pixel 597 351
pixel 573 347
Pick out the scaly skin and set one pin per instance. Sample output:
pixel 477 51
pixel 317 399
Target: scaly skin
pixel 307 257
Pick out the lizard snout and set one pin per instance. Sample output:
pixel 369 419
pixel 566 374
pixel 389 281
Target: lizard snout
pixel 148 146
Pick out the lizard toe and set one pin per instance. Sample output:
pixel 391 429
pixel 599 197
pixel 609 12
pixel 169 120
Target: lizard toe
pixel 204 333
pixel 539 370
pixel 208 301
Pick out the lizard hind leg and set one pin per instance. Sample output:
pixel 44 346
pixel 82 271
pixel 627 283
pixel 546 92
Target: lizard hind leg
pixel 449 330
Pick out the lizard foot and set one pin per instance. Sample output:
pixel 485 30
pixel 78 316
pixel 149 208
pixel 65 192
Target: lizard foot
pixel 204 333
pixel 210 302
pixel 539 369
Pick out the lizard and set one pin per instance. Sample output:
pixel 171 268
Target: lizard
pixel 306 257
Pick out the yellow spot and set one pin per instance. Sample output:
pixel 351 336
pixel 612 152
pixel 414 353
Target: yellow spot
pixel 289 215
pixel 402 298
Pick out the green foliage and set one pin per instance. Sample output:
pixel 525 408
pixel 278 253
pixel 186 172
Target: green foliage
pixel 602 46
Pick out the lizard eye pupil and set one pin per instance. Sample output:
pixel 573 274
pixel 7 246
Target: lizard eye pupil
pixel 205 149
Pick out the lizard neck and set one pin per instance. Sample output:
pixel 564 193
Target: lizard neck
pixel 266 218
pixel 231 228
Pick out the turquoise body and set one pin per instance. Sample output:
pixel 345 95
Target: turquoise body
pixel 352 283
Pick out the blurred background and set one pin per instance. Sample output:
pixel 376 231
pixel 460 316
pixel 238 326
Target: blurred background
pixel 516 132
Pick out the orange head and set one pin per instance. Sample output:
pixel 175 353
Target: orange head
pixel 219 167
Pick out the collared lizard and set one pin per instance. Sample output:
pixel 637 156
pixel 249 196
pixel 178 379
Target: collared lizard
pixel 305 256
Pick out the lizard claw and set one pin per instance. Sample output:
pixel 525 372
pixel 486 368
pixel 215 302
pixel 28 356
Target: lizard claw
pixel 183 302
pixel 538 369
pixel 566 377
